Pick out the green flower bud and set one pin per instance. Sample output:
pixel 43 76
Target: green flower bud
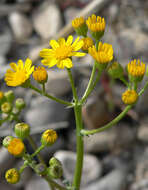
pixel 55 171
pixel 41 169
pixel 54 161
pixel 115 70
pixel 80 26
pixel 22 130
pixel 7 141
pixel 9 96
pixel 19 103
pixel 6 107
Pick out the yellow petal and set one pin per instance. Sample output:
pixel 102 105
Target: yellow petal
pixel 46 53
pixel 13 66
pixel 61 41
pixel 54 44
pixel 69 40
pixel 78 45
pixel 20 64
pixel 79 54
pixel 67 63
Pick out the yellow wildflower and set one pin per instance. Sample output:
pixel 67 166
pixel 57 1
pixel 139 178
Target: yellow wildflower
pixel 104 54
pixel 129 97
pixel 88 42
pixel 49 137
pixel 61 52
pixel 40 74
pixel 136 68
pixel 16 147
pixel 19 72
pixel 95 24
pixel 12 176
pixel 78 22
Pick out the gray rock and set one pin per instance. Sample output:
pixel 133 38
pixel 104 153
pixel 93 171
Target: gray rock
pixel 68 161
pixel 5 186
pixel 58 83
pixel 115 180
pixel 37 183
pixel 141 185
pixel 47 20
pixel 5 42
pixel 6 160
pixel 143 133
pixel 21 25
pixel 44 112
pixel 3 65
pixel 70 13
pixel 118 136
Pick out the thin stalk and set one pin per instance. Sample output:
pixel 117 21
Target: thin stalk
pixel 37 151
pixel 79 146
pixel 143 89
pixel 54 184
pixel 49 96
pixel 34 146
pixel 91 85
pixel 43 88
pixel 109 125
pixel 124 81
pixel 72 85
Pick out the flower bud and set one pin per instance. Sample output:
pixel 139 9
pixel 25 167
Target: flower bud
pixel 115 70
pixel 9 96
pixel 55 171
pixel 6 107
pixel 130 97
pixel 16 147
pixel 12 176
pixel 40 75
pixel 22 130
pixel 7 141
pixel 54 161
pixel 41 169
pixel 19 103
pixel 49 137
pixel 80 26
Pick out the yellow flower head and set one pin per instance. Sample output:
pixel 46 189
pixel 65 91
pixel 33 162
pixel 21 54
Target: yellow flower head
pixel 136 68
pixel 40 74
pixel 1 95
pixel 95 24
pixel 19 72
pixel 78 22
pixel 129 97
pixel 49 137
pixel 12 176
pixel 16 147
pixel 88 42
pixel 104 54
pixel 61 52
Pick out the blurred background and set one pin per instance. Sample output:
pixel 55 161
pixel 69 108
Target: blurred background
pixel 115 159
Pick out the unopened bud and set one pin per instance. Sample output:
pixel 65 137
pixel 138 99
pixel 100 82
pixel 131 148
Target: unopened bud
pixel 22 130
pixel 55 171
pixel 49 137
pixel 7 141
pixel 40 169
pixel 12 176
pixel 19 103
pixel 9 96
pixel 6 107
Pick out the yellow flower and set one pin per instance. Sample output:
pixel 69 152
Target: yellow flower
pixel 40 74
pixel 104 54
pixel 49 137
pixel 129 97
pixel 136 68
pixel 12 176
pixel 61 52
pixel 78 22
pixel 19 72
pixel 1 95
pixel 95 24
pixel 16 147
pixel 88 42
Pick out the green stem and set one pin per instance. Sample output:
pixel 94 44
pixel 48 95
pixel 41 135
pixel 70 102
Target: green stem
pixel 143 89
pixel 43 88
pixel 34 146
pixel 72 85
pixel 54 184
pixel 50 97
pixel 80 151
pixel 37 151
pixel 109 125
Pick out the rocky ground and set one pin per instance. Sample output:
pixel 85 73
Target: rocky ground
pixel 118 157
